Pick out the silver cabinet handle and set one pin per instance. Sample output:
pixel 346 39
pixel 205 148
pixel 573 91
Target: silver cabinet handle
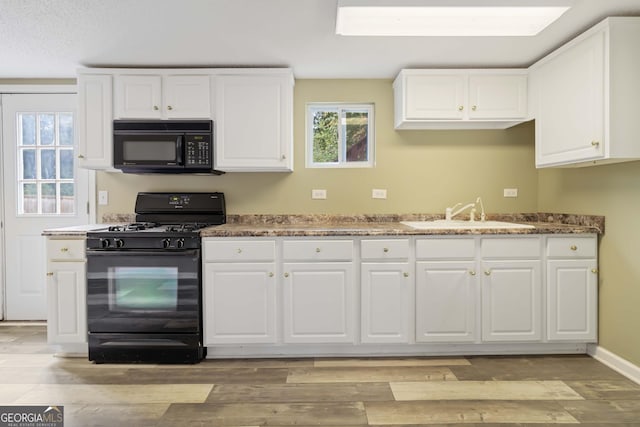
pixel 169 107
pixel 405 274
pixel 487 272
pixel 573 248
pixel 385 250
pixel 155 108
pixel 271 274
pixel 472 272
pixel 286 274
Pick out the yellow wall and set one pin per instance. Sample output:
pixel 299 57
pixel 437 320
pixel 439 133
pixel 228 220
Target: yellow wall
pixel 423 171
pixel 612 191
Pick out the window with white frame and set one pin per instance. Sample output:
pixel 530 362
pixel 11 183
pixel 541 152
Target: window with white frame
pixel 45 163
pixel 340 135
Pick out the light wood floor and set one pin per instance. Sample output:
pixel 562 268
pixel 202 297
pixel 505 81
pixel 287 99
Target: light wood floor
pixel 499 391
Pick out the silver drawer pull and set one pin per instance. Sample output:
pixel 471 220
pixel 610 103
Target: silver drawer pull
pixel 64 249
pixel 573 248
pixel 405 274
pixel 472 272
pixel 385 250
pixel 239 250
pixel 286 274
pixel 317 250
pixel 487 272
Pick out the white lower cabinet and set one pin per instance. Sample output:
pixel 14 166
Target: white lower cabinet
pixel 511 301
pixel 446 289
pixel 572 288
pixel 324 293
pixel 319 303
pixel 511 288
pixel 66 291
pixel 241 303
pixel 446 296
pixel 240 291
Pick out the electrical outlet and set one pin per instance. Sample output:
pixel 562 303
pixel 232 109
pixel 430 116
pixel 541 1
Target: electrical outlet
pixel 103 197
pixel 510 192
pixel 318 194
pixel 378 193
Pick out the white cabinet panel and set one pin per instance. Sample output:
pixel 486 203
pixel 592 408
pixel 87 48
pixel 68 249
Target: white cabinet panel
pixel 386 302
pixel 239 303
pixel 447 294
pixel 187 96
pixel 67 300
pixel 138 96
pixel 584 114
pixel 460 99
pixel 95 121
pixel 511 301
pixel 319 303
pixel 254 123
pixel 572 300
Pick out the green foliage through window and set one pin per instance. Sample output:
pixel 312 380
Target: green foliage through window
pixel 340 135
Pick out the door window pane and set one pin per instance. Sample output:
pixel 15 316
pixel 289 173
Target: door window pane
pixel 29 164
pixel 49 199
pixel 66 164
pixel 67 198
pixel 66 128
pixel 29 198
pixel 47 164
pixel 28 129
pixel 47 129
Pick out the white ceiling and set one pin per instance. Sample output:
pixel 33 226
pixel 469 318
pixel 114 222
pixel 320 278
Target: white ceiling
pixel 52 38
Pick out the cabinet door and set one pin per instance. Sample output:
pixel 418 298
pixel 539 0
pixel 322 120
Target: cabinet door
pixel 187 97
pixel 254 123
pixel 572 298
pixel 67 303
pixel 319 305
pixel 435 97
pixel 239 303
pixel 511 301
pixel 138 97
pixel 446 297
pixel 386 307
pixel 497 96
pixel 95 121
pixel 570 112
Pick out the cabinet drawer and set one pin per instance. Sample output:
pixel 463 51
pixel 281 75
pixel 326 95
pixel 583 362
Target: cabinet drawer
pixel 385 249
pixel 239 250
pixel 317 250
pixel 66 249
pixel 445 248
pixel 572 247
pixel 513 248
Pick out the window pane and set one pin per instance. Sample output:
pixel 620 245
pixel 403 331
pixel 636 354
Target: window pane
pixel 28 125
pixel 29 164
pixel 48 198
pixel 47 129
pixel 48 164
pixel 67 198
pixel 356 124
pixel 325 136
pixel 66 164
pixel 29 198
pixel 66 128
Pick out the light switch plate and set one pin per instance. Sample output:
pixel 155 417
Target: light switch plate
pixel 319 194
pixel 103 197
pixel 510 192
pixel 378 193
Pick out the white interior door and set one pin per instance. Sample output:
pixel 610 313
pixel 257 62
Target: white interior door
pixel 42 188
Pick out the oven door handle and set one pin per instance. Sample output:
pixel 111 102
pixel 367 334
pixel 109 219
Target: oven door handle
pixel 188 252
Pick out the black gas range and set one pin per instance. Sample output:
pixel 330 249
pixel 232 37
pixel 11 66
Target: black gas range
pixel 144 280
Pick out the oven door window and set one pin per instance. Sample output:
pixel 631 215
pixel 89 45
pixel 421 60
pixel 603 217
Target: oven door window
pixel 143 288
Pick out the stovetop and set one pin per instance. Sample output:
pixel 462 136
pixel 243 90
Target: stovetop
pixel 154 227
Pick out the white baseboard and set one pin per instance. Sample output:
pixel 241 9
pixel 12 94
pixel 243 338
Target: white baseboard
pixel 615 362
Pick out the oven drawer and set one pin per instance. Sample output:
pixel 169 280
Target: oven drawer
pixel 65 249
pixel 216 250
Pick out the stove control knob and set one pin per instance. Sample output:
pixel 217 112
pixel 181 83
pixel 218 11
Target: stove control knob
pixel 105 243
pixel 166 243
pixel 118 242
pixel 180 243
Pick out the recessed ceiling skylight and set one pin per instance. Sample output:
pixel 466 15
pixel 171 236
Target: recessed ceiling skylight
pixel 396 19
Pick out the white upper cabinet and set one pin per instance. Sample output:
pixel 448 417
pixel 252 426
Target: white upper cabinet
pixel 148 96
pixel 254 122
pixel 460 99
pixel 95 121
pixel 581 97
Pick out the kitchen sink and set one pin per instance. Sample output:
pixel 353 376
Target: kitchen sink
pixel 441 224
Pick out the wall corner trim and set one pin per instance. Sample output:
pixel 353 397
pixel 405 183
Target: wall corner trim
pixel 615 362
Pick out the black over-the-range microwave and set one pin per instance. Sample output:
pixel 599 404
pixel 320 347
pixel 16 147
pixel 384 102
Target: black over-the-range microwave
pixel 163 146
